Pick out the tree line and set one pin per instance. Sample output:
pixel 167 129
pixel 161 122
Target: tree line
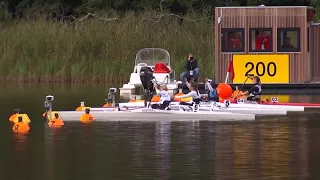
pixel 21 8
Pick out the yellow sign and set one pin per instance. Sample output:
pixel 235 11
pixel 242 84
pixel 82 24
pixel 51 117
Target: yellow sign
pixel 270 68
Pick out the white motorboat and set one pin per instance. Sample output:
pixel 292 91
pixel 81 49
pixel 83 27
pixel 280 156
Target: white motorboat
pixel 157 63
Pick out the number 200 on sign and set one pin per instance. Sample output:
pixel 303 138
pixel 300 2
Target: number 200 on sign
pixel 260 69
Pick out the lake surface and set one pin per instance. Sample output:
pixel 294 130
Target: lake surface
pixel 268 148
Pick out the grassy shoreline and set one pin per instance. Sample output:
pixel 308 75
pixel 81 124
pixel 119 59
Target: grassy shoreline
pixel 96 51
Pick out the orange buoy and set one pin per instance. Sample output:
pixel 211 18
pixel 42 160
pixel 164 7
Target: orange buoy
pixel 224 91
pixel 56 121
pixel 20 126
pixel 14 115
pixel 87 117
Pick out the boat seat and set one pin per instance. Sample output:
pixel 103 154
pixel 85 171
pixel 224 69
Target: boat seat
pixel 161 68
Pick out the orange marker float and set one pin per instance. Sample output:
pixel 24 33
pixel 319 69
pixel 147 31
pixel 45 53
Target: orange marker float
pixel 20 126
pixel 224 91
pixel 56 122
pixel 14 115
pixel 87 117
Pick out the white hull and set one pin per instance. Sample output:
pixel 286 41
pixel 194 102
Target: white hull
pixel 149 57
pixel 156 115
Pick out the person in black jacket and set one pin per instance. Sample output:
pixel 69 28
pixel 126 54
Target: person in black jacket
pixel 192 70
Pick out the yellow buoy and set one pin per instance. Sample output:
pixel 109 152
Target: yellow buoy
pixel 53 115
pixel 25 118
pixel 14 115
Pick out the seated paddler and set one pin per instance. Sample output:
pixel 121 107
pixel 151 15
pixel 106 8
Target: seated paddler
pixel 194 93
pixel 212 91
pixel 254 94
pixel 165 97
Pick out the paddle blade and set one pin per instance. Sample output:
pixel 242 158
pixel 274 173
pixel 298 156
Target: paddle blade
pixel 188 99
pixel 155 99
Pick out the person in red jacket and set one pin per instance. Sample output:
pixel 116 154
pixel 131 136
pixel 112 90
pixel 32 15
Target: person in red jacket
pixel 262 41
pixel 234 40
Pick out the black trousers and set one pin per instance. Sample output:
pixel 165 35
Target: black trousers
pixel 253 98
pixel 162 106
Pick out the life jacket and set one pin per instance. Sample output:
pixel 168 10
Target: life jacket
pixel 257 93
pixel 213 96
pixel 198 99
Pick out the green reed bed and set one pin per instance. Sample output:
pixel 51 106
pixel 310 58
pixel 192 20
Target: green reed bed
pixel 97 51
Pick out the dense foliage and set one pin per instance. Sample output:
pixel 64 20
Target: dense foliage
pixel 34 48
pixel 71 7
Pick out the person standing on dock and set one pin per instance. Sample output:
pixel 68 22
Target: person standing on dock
pixel 165 97
pixel 192 69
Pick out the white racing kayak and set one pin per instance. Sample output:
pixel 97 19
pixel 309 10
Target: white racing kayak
pixel 147 114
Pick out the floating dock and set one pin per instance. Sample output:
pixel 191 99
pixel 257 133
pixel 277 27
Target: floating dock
pixel 159 115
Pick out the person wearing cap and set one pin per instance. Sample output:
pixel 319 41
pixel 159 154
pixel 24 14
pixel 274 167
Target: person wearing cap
pixel 255 92
pixel 165 97
pixel 212 91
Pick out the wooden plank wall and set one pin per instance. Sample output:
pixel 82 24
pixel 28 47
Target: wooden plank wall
pixel 262 17
pixel 315 51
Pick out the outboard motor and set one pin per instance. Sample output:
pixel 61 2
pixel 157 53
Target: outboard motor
pixel 146 76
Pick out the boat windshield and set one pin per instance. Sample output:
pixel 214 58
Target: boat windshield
pixel 151 56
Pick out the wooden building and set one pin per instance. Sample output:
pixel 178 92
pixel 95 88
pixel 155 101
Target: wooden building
pixel 279 44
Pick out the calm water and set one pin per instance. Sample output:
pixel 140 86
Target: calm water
pixel 270 148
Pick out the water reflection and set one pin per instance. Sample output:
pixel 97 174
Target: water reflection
pixel 271 148
pixel 162 147
pixel 178 150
